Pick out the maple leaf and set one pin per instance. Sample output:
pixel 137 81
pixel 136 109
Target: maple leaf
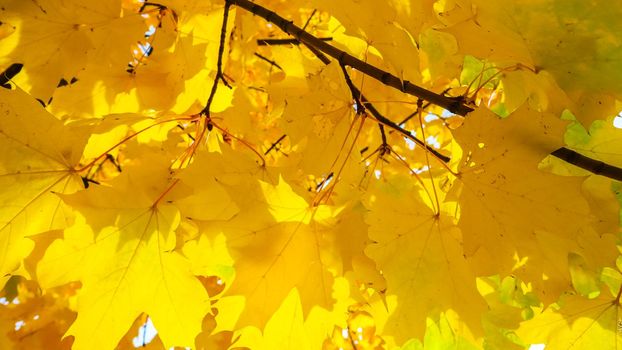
pixel 56 39
pixel 408 233
pixel 122 252
pixel 275 253
pixel 33 169
pixel 551 36
pixel 288 316
pixel 504 197
pixel 375 23
pixel 600 141
pixel 577 323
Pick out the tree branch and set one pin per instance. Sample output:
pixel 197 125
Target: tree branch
pixel 9 73
pixel 452 104
pixel 594 166
pixel 274 144
pixel 388 122
pixel 360 108
pixel 274 42
pixel 219 75
pixel 264 58
pixel 382 120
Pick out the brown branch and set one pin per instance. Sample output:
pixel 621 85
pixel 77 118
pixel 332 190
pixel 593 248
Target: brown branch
pixel 309 19
pixel 413 114
pixel 388 122
pixel 264 58
pixel 219 75
pixel 274 144
pixel 382 120
pixel 594 166
pixel 383 135
pixel 454 105
pixel 360 108
pixel 9 73
pixel 276 42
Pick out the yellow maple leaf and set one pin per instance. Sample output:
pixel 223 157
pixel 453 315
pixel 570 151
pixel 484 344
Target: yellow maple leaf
pixel 286 206
pixel 271 259
pixel 380 25
pixel 273 250
pixel 420 255
pixel 285 329
pixel 577 323
pixel 55 39
pixel 504 198
pixel 547 36
pixel 122 250
pixel 32 319
pixel 207 200
pixel 33 168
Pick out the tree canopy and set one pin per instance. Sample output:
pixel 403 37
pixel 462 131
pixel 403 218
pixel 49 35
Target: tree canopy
pixel 310 174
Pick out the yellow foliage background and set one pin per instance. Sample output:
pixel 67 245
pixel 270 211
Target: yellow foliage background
pixel 185 174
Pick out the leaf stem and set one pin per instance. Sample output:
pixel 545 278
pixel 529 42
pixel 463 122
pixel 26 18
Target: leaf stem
pixel 163 194
pixel 325 196
pixel 427 158
pixel 246 144
pixel 127 138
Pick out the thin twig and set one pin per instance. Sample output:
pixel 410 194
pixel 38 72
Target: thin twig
pixel 454 105
pixel 427 159
pixel 352 343
pixel 360 108
pixel 264 58
pixel 382 120
pixel 376 114
pixel 276 42
pixel 274 144
pixel 219 75
pixel 383 136
pixel 414 114
pixel 617 299
pixel 158 6
pixel 309 19
pixel 387 122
